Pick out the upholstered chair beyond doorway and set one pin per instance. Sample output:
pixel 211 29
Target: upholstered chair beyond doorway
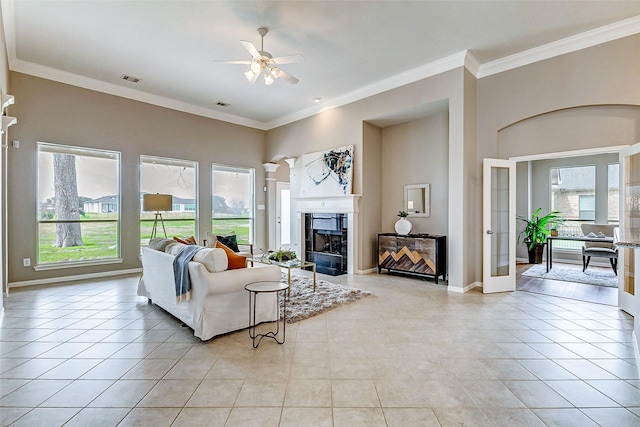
pixel 598 249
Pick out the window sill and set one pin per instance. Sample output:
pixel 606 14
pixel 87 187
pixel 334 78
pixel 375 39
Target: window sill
pixel 72 264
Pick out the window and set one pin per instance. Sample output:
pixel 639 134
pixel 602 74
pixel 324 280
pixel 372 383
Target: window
pixel 613 197
pixel 573 192
pixel 232 201
pixel 78 200
pixel 587 207
pixel 175 177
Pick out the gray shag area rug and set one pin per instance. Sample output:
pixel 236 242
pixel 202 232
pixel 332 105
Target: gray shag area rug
pixel 599 278
pixel 304 303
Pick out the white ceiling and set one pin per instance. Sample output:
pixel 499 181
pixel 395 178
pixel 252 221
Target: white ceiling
pixel 352 49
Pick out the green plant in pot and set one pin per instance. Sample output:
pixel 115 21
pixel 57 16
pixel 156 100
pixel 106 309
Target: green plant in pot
pixel 282 255
pixel 536 231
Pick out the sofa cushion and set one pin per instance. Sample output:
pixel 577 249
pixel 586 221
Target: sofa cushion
pixel 159 244
pixel 229 240
pixel 213 259
pixel 235 261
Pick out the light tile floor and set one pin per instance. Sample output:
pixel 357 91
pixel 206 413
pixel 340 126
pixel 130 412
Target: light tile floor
pixel 412 354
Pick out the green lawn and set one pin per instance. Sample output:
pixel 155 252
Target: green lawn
pixel 100 239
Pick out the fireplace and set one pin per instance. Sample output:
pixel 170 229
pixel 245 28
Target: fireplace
pixel 326 207
pixel 326 242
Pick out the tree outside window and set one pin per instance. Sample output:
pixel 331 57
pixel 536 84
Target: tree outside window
pixel 78 199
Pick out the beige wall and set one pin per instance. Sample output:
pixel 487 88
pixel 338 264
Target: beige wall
pixel 373 157
pixel 468 210
pixel 417 152
pixel 603 76
pixel 57 113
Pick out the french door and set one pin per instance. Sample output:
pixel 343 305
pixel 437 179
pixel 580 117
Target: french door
pixel 629 257
pixel 499 228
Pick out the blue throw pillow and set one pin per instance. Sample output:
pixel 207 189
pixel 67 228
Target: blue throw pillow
pixel 230 241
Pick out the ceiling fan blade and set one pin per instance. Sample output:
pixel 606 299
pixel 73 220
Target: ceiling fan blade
pixel 226 61
pixel 287 59
pixel 286 76
pixel 251 48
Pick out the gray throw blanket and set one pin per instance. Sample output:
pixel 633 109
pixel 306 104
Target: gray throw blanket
pixel 181 272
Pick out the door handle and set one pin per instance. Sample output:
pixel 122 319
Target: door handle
pixel 489 232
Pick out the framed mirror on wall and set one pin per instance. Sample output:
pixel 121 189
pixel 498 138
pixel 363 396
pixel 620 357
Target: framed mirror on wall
pixel 416 200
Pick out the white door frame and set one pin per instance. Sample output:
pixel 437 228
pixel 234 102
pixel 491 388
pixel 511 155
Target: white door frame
pixel 498 282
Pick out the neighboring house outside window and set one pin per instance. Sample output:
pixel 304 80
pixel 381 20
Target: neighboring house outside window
pixel 587 207
pixel 573 194
pixel 78 199
pixel 232 204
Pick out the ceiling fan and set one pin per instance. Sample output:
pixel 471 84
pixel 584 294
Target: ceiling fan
pixel 263 63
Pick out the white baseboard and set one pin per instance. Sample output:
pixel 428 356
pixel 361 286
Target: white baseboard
pixel 464 289
pixel 73 278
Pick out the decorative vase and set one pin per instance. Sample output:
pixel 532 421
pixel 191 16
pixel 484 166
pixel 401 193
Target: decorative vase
pixel 403 226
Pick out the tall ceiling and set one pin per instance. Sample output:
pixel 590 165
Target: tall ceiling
pixel 352 49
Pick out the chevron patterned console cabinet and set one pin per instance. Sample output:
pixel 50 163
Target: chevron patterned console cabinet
pixel 418 254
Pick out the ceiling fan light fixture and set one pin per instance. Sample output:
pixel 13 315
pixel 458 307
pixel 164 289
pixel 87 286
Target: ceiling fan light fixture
pixel 249 75
pixel 256 66
pixel 265 64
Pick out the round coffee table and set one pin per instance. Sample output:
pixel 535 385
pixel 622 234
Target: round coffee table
pixel 256 288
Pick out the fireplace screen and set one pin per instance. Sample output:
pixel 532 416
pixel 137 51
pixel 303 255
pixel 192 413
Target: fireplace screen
pixel 326 242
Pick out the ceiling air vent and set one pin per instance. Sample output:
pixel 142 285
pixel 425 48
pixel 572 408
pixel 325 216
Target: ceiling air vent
pixel 129 78
pixel 222 104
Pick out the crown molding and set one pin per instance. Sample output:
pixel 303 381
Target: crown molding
pixel 590 38
pixel 8 21
pixel 419 73
pixel 471 64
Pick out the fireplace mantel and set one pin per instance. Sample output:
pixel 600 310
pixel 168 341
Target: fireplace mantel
pixel 338 204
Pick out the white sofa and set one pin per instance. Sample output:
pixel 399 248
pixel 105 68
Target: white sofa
pixel 219 303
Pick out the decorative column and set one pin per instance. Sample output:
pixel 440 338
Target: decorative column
pixel 270 185
pixel 295 216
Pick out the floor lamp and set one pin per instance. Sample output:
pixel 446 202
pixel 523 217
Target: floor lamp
pixel 157 202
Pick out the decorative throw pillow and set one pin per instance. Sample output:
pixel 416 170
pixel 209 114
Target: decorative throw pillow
pixel 186 240
pixel 211 240
pixel 159 244
pixel 174 248
pixel 230 241
pixel 235 261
